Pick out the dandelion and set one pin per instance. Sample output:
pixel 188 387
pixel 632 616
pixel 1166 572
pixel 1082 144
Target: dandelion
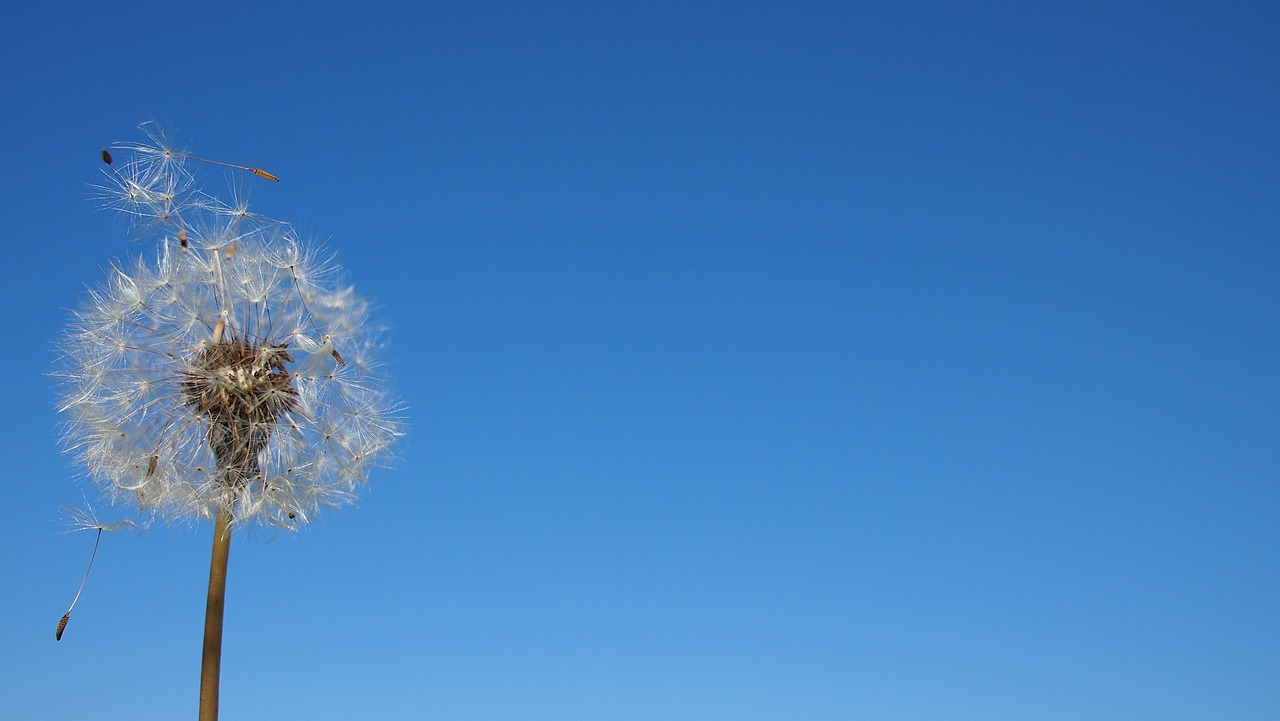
pixel 230 376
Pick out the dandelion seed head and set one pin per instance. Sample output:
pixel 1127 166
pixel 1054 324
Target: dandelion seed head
pixel 199 378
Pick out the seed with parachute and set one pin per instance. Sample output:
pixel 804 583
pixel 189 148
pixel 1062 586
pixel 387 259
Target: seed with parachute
pixel 256 171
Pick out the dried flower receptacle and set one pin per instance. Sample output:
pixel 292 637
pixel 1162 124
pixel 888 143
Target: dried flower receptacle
pixel 243 389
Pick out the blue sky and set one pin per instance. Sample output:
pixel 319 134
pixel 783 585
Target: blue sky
pixel 764 361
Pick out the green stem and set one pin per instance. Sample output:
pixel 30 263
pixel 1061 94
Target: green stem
pixel 211 665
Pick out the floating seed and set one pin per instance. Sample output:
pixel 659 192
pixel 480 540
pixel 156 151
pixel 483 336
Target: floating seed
pixel 256 171
pixel 106 157
pixel 62 624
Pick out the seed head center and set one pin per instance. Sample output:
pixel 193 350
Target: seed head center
pixel 242 388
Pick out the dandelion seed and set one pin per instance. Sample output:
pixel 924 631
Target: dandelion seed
pixel 182 237
pixel 256 171
pixel 62 624
pixel 106 158
pixel 81 520
pixel 338 357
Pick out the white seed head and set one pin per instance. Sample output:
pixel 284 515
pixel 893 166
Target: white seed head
pixel 200 378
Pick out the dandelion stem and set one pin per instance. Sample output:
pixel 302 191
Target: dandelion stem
pixel 62 624
pixel 211 665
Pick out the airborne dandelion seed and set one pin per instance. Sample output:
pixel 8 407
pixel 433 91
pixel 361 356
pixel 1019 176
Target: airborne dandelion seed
pixel 86 520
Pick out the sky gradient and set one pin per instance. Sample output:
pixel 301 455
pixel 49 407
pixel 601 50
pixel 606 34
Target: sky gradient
pixel 763 361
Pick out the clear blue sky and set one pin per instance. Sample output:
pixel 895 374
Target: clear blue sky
pixel 765 361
